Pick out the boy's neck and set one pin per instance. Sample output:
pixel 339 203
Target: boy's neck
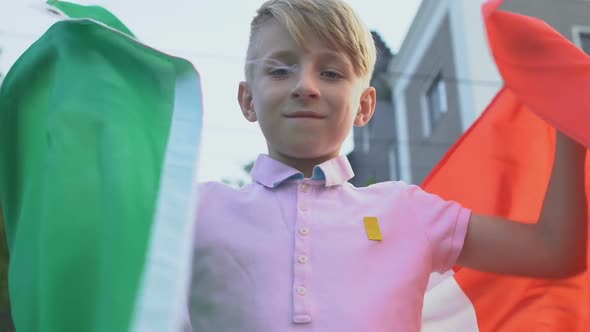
pixel 303 165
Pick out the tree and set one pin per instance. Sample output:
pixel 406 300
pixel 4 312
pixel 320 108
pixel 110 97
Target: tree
pixel 239 182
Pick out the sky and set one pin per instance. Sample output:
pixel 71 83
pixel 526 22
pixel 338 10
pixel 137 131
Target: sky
pixel 213 35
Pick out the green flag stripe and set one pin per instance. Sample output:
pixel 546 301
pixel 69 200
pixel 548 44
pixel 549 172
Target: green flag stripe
pixel 162 289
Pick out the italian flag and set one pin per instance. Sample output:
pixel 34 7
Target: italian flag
pixel 501 166
pixel 98 150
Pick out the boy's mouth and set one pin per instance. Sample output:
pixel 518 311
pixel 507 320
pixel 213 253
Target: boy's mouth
pixel 305 114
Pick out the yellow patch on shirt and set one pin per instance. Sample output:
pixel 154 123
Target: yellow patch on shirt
pixel 372 228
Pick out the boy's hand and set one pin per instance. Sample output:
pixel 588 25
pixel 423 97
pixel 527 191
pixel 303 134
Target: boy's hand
pixel 556 245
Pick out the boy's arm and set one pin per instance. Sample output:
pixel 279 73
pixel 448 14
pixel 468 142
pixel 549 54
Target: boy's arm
pixel 556 245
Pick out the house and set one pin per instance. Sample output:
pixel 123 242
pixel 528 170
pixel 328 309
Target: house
pixel 373 159
pixel 443 76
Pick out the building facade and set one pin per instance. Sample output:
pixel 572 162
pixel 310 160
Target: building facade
pixel 443 76
pixel 373 158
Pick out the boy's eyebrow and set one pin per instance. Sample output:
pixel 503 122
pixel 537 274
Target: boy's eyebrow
pixel 326 54
pixel 266 60
pixel 282 54
pixel 334 55
pixel 273 57
pixel 331 54
pixel 284 57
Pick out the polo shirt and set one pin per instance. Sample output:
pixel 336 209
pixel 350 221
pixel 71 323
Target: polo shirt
pixel 289 253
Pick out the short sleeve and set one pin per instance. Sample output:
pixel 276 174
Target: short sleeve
pixel 445 223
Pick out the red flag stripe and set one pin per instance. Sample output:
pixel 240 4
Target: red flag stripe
pixel 501 166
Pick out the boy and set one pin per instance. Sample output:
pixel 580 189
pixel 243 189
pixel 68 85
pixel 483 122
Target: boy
pixel 290 251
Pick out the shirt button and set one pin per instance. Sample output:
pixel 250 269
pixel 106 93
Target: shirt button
pixel 304 188
pixel 302 259
pixel 301 319
pixel 301 290
pixel 303 207
pixel 303 230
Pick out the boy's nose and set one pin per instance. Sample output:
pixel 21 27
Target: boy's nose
pixel 306 87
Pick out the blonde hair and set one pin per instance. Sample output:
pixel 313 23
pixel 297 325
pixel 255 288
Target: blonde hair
pixel 333 21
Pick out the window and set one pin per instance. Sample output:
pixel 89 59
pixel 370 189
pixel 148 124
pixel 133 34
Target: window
pixel 366 137
pixel 582 37
pixel 585 42
pixel 434 104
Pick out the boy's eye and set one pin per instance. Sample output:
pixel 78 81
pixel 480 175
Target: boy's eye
pixel 278 72
pixel 331 74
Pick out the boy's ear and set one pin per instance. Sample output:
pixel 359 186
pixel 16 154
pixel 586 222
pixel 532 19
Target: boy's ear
pixel 245 100
pixel 366 107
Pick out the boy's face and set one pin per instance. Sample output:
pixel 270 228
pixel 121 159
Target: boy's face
pixel 306 99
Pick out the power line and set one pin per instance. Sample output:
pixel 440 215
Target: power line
pixel 394 142
pixel 447 79
pixel 416 77
pixel 398 75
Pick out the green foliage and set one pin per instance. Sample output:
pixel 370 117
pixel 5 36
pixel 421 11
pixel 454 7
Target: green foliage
pixel 234 183
pixel 239 182
pixel 248 167
pixel 371 180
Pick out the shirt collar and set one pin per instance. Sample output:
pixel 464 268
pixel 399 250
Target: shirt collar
pixel 271 173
